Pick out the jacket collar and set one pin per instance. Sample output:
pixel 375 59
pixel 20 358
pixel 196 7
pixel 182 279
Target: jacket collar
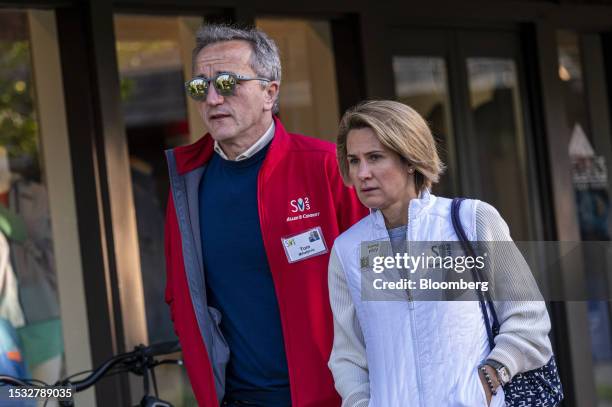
pixel 416 208
pixel 195 155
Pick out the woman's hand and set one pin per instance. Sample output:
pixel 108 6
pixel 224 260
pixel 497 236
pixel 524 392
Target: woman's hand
pixel 493 375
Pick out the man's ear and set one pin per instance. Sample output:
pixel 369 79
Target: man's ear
pixel 271 94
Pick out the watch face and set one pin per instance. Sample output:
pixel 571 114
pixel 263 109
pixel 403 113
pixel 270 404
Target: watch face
pixel 504 375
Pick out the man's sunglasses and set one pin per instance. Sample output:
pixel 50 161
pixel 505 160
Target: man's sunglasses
pixel 224 83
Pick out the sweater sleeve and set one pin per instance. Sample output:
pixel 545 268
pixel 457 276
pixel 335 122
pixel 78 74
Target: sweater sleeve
pixel 347 362
pixel 522 343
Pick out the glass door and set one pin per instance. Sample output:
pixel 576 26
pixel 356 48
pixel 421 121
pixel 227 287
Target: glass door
pixel 495 127
pixel 43 312
pixel 154 59
pixel 580 69
pixel 309 91
pixel 468 86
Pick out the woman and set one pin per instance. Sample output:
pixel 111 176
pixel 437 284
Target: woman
pixel 418 353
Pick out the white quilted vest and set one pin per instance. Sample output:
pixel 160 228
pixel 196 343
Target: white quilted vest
pixel 419 353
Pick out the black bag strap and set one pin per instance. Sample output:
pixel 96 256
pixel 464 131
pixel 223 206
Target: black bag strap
pixel 492 331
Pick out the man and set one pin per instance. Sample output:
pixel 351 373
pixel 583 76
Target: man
pixel 252 215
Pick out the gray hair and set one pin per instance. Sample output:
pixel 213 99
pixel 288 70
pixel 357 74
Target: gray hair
pixel 265 59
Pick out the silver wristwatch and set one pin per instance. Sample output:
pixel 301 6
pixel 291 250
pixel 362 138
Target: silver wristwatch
pixel 503 374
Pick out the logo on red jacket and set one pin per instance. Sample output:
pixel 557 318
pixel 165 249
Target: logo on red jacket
pixel 299 205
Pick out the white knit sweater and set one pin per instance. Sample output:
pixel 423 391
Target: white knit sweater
pixel 521 345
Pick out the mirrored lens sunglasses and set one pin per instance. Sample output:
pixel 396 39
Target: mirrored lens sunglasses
pixel 224 83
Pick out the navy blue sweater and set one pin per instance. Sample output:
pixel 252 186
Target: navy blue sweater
pixel 239 282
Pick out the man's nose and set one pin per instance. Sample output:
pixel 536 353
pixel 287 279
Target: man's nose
pixel 213 98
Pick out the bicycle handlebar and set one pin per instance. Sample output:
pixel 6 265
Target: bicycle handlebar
pixel 13 381
pixel 93 377
pixel 134 359
pixel 139 353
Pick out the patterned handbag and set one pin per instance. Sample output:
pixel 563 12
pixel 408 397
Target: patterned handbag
pixel 539 387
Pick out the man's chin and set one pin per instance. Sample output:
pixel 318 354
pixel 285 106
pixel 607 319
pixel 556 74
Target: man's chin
pixel 221 134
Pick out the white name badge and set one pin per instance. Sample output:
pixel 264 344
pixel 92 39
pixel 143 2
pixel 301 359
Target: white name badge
pixel 304 245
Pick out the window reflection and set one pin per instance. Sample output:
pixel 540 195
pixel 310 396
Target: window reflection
pixel 592 197
pixel 31 340
pixel 498 130
pixel 421 83
pixel 152 53
pixel 153 105
pixel 308 92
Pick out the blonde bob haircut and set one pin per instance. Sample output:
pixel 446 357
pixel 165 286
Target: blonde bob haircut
pixel 399 128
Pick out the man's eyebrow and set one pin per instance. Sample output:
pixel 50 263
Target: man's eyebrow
pixel 201 75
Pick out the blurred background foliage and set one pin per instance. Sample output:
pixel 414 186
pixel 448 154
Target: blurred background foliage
pixel 18 127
